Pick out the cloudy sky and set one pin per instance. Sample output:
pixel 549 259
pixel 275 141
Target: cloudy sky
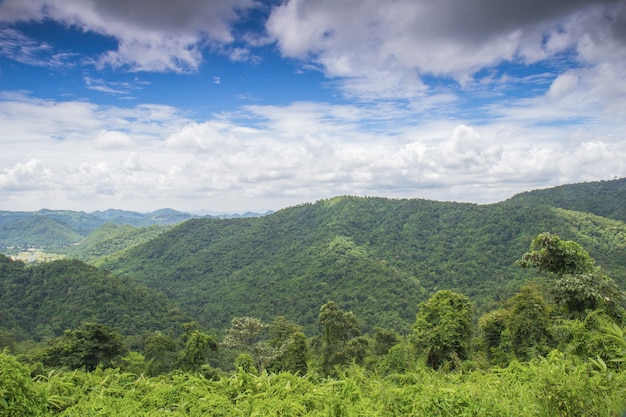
pixel 238 105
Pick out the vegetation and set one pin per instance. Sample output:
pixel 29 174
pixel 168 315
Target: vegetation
pixel 38 303
pixel 398 340
pixel 376 257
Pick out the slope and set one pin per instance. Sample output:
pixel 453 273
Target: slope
pixel 375 256
pixel 111 238
pixel 42 301
pixel 37 231
pixel 602 198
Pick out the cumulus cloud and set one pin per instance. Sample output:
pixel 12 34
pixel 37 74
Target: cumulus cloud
pixel 152 157
pixel 363 40
pixel 27 176
pixel 158 35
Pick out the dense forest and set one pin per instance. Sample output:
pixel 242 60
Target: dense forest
pixel 347 306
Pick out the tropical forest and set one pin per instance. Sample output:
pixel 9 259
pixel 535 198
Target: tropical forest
pixel 347 306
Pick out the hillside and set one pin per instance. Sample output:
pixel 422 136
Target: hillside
pixel 37 231
pixel 55 230
pixel 377 257
pixel 44 300
pixel 602 198
pixel 111 238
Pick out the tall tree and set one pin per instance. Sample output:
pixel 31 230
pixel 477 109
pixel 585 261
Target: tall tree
pixel 529 323
pixel 161 352
pixel 443 329
pixel 246 334
pixel 340 343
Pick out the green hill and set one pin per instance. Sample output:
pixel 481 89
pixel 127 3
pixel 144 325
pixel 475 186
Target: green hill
pixel 377 257
pixel 44 300
pixel 37 231
pixel 111 238
pixel 602 198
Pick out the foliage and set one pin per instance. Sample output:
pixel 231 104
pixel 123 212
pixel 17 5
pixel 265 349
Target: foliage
pixel 377 257
pixel 87 347
pixel 581 285
pixel 529 323
pixel 40 302
pixel 18 395
pixel 161 352
pixel 37 231
pixel 552 386
pixel 111 238
pixel 196 350
pixel 443 329
pixel 602 198
pixel 552 254
pixel 339 343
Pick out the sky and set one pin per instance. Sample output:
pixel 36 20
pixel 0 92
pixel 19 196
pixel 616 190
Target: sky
pixel 244 105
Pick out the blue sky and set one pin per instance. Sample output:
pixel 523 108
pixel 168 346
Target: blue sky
pixel 243 105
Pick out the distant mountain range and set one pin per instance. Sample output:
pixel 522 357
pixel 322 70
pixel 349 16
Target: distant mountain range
pixel 55 229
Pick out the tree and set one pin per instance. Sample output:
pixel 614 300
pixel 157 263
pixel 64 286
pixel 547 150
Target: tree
pixel 580 285
pixel 86 347
pixel 245 334
pixel 296 355
pixel 443 329
pixel 196 350
pixel 339 344
pixel 161 351
pixel 494 329
pixel 588 291
pixel 529 323
pixel 290 345
pixel 550 253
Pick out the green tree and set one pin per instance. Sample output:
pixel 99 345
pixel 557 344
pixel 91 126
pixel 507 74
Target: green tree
pixel 296 354
pixel 529 323
pixel 290 345
pixel 86 347
pixel 443 329
pixel 196 350
pixel 588 291
pixel 580 285
pixel 550 253
pixel 339 329
pixel 161 351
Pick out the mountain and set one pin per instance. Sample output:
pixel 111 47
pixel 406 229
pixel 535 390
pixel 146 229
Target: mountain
pixel 54 230
pixel 603 198
pixel 42 301
pixel 37 230
pixel 377 257
pixel 111 238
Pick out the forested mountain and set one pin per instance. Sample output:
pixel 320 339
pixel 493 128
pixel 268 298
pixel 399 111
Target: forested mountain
pixel 55 230
pixel 377 257
pixel 44 300
pixel 603 198
pixel 39 231
pixel 110 238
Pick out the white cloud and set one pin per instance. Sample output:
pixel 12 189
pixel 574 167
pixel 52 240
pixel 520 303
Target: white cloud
pixel 150 156
pixel 21 48
pixel 362 42
pixel 153 35
pixel 112 140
